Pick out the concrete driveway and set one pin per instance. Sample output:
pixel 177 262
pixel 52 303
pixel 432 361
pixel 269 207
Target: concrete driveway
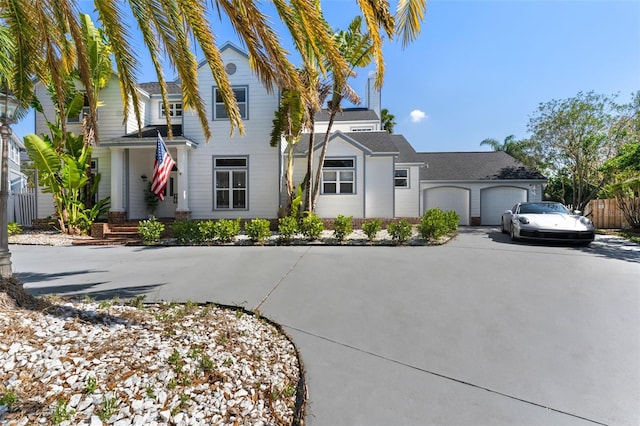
pixel 480 331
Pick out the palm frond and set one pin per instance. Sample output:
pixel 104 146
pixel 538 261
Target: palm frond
pixel 409 15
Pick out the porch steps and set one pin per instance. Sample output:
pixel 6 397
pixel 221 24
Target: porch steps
pixel 115 234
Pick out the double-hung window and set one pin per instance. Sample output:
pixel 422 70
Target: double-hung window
pixel 242 99
pixel 230 183
pixel 401 178
pixel 339 176
pixel 175 109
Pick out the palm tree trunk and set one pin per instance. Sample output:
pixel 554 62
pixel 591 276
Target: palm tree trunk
pixel 323 154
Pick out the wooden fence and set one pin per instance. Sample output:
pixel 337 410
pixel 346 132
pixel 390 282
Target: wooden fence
pixel 22 207
pixel 605 214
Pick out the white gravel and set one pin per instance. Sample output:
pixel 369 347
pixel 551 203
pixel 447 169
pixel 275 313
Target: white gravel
pixel 169 364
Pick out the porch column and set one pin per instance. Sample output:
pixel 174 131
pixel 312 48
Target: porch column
pixel 182 160
pixel 117 210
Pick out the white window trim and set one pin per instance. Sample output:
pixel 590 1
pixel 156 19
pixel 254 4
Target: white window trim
pixel 230 170
pixel 338 181
pixel 408 185
pixel 172 107
pixel 244 116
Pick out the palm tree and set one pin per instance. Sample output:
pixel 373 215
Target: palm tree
pixel 357 50
pixel 522 150
pixel 388 120
pixel 47 36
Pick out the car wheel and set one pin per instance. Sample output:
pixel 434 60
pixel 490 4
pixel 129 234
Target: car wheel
pixel 503 230
pixel 513 234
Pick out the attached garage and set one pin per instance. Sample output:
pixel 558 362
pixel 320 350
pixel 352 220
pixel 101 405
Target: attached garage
pixel 495 200
pixel 449 198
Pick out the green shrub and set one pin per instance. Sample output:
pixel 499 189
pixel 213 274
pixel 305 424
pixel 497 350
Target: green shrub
pixel 371 228
pixel 150 230
pixel 185 231
pixel 311 227
pixel 400 231
pixel 287 227
pixel 13 228
pixel 258 230
pixel 342 227
pixel 435 223
pixel 207 231
pixel 226 230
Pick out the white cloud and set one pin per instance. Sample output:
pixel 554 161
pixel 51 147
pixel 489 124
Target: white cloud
pixel 417 116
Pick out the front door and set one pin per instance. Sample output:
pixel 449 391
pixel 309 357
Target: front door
pixel 167 207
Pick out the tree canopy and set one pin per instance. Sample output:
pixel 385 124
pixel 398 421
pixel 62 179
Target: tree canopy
pixel 44 39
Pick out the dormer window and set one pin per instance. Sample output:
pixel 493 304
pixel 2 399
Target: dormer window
pixel 175 110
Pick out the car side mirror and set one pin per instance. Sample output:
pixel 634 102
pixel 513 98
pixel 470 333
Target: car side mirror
pixel 577 212
pixel 508 212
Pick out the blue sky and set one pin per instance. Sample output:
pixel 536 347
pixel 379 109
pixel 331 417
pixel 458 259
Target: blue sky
pixel 480 68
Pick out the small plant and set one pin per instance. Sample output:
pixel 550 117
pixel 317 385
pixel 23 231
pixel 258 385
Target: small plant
pixel 206 231
pixel 171 384
pixel 148 390
pixel 8 399
pixel 150 230
pixel 137 302
pixel 105 304
pixel 176 361
pixel 311 227
pixel 61 412
pixel 400 231
pixel 258 230
pixel 108 409
pixel 13 228
pixel 227 362
pixel 91 386
pixel 227 230
pixel 185 231
pixel 151 200
pixel 435 223
pixel 206 363
pixel 371 228
pixel 287 227
pixel 342 227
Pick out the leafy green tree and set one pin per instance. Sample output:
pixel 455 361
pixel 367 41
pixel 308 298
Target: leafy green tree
pixel 388 120
pixel 624 169
pixel 574 138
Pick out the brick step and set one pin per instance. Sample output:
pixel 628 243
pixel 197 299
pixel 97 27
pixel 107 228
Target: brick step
pixel 121 234
pixel 102 242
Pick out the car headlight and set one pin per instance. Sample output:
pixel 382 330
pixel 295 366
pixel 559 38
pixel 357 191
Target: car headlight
pixel 586 222
pixel 523 220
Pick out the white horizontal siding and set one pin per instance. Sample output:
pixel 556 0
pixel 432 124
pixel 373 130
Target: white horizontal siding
pixel 379 189
pixel 263 173
pixel 407 200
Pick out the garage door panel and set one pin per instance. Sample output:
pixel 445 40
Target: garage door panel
pixel 494 201
pixel 449 198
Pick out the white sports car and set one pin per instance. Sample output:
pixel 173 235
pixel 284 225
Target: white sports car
pixel 547 220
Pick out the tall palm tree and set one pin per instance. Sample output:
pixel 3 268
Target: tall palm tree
pixel 357 48
pixel 48 39
pixel 388 120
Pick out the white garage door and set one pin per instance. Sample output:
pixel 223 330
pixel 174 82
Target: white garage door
pixel 494 201
pixel 449 198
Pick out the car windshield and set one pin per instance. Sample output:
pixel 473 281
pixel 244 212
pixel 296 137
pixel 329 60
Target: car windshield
pixel 541 208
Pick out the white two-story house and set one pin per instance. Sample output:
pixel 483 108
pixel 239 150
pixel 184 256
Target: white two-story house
pixel 368 173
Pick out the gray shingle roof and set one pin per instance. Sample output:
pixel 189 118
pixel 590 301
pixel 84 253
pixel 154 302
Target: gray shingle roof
pixel 153 88
pixel 466 166
pixel 348 114
pixel 376 142
pixel 152 131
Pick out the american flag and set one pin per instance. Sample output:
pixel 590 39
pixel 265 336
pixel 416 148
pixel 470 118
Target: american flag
pixel 162 167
